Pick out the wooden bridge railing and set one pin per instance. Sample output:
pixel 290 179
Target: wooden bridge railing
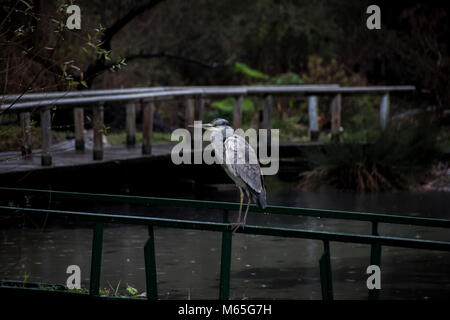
pixel 194 98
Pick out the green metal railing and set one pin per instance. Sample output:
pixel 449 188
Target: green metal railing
pixel 375 240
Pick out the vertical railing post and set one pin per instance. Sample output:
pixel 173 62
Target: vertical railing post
pixel 225 262
pixel 46 136
pixel 313 118
pixel 96 259
pixel 150 266
pixel 98 131
pixel 326 280
pixel 147 126
pixel 25 126
pixel 130 124
pixel 375 259
pixel 384 111
pixel 237 112
pixel 336 117
pixel 78 118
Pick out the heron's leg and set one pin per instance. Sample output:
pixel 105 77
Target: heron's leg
pixel 238 222
pixel 240 204
pixel 248 205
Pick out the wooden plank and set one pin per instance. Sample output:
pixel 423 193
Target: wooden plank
pixel 25 125
pixel 130 124
pixel 98 132
pixel 189 112
pixel 384 111
pixel 78 116
pixel 265 118
pixel 205 91
pixel 313 118
pixel 237 112
pixel 267 112
pixel 147 126
pixel 46 137
pixel 336 106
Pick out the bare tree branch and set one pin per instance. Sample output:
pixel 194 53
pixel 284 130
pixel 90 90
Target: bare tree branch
pixel 99 66
pixel 175 56
pixel 111 31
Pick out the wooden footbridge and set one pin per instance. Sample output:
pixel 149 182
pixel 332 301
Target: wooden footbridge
pixel 194 100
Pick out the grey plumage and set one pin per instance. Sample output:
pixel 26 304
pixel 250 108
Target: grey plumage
pixel 242 166
pixel 240 162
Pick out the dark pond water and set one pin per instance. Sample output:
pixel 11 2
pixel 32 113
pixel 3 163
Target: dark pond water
pixel 263 267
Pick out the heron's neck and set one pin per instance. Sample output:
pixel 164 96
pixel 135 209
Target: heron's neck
pixel 217 142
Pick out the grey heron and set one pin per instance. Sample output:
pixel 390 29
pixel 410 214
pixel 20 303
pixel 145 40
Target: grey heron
pixel 240 162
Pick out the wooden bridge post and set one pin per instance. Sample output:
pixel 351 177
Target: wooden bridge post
pixel 265 117
pixel 25 125
pixel 46 136
pixel 201 108
pixel 147 125
pixel 78 116
pixel 130 124
pixel 98 131
pixel 237 112
pixel 336 107
pixel 384 111
pixel 189 112
pixel 313 120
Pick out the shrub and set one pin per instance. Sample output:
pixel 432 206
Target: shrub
pixel 394 161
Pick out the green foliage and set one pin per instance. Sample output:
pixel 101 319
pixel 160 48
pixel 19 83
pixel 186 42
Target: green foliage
pixel 286 78
pixel 132 291
pixel 11 137
pixel 360 120
pixel 25 279
pixel 118 138
pixel 290 128
pixel 114 291
pixel 224 108
pixel 249 72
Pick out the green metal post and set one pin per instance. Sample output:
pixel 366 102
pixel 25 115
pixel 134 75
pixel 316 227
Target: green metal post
pixel 225 264
pixel 375 259
pixel 96 259
pixel 325 272
pixel 150 266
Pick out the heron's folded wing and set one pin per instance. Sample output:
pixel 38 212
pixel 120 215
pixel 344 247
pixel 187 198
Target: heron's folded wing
pixel 241 158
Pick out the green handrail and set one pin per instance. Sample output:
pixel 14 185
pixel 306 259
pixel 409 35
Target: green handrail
pixel 375 240
pixel 322 213
pixel 249 229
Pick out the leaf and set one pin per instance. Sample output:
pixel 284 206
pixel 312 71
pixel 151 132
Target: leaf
pixel 29 7
pixel 132 291
pixel 249 72
pixel 226 105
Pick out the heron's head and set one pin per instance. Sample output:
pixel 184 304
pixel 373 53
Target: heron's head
pixel 217 126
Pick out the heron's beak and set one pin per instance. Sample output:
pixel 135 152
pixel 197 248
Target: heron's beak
pixel 202 126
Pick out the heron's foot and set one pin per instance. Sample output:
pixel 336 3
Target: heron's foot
pixel 236 225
